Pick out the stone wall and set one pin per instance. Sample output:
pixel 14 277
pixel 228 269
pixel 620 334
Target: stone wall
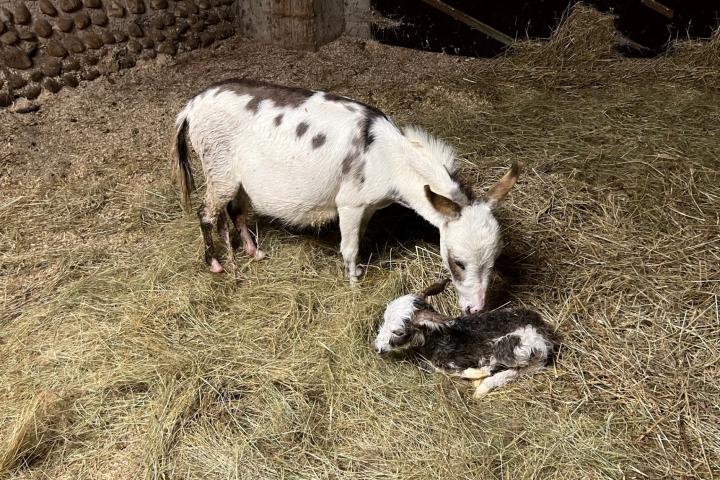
pixel 51 44
pixel 46 45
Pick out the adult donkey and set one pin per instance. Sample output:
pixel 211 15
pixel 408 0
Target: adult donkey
pixel 307 157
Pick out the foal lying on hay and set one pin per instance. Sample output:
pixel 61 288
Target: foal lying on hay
pixel 492 348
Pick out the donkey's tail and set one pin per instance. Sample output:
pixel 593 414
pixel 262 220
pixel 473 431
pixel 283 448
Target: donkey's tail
pixel 181 162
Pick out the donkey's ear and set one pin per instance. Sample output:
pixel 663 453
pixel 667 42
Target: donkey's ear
pixel 443 205
pixel 503 186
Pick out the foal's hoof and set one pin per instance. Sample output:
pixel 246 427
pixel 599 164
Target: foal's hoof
pixel 215 266
pixel 259 254
pixel 480 391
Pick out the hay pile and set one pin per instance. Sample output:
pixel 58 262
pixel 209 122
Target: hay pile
pixel 584 37
pixel 586 41
pixel 123 358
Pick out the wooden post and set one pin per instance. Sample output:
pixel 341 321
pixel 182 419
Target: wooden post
pixel 293 24
pixel 659 8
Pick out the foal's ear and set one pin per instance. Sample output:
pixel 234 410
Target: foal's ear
pixel 503 186
pixel 429 319
pixel 435 289
pixel 443 205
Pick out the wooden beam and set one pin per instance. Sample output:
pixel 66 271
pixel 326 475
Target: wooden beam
pixel 659 8
pixel 470 21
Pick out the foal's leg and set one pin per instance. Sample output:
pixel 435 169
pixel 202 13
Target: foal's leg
pixel 238 210
pixel 208 218
pixel 503 377
pixel 350 226
pixel 474 373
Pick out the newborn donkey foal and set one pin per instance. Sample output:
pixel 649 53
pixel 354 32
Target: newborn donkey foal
pixel 492 348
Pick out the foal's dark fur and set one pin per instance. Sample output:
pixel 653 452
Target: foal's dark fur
pixel 492 347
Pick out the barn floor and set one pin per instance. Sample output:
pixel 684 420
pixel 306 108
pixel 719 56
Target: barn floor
pixel 122 357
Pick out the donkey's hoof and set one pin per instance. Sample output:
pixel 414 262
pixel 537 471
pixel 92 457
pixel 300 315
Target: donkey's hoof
pixel 259 254
pixel 352 273
pixel 215 266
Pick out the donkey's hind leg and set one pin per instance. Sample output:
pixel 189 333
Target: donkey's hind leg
pixel 238 210
pixel 212 214
pixel 208 218
pixel 224 234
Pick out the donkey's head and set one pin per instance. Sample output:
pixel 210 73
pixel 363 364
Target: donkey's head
pixel 470 240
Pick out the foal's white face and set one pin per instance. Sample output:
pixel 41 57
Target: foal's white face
pixel 396 330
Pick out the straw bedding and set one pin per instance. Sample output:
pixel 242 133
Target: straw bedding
pixel 124 358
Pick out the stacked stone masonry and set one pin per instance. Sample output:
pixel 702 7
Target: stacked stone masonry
pixel 51 44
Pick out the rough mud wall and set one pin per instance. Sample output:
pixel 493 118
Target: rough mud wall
pixel 51 44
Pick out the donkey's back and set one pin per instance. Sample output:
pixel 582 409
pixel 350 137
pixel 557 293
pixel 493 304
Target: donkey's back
pixel 288 148
pixel 289 151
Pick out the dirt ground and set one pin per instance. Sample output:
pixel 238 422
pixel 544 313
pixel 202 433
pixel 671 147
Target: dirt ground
pixel 122 357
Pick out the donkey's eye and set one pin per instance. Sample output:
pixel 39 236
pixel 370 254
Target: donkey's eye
pixel 460 265
pixel 398 333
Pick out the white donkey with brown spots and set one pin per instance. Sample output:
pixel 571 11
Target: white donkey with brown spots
pixel 307 157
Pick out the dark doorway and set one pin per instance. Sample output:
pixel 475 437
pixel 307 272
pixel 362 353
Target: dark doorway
pixel 650 24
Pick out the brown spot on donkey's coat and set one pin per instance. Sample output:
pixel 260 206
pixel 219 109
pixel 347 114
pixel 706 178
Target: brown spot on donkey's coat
pixel 280 95
pixel 301 129
pixel 369 115
pixel 318 140
pixel 354 162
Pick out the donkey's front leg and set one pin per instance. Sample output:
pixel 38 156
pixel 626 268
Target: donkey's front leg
pixel 351 219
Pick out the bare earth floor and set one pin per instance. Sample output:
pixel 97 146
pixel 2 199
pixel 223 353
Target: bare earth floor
pixel 123 358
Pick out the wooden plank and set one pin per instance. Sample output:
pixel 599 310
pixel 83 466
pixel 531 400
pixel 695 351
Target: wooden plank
pixel 659 8
pixel 471 21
